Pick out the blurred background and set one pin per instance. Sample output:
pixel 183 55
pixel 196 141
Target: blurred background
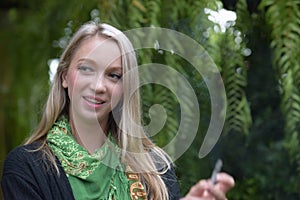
pixel 254 43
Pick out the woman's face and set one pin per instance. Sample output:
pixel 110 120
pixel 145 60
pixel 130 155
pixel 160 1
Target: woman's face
pixel 94 79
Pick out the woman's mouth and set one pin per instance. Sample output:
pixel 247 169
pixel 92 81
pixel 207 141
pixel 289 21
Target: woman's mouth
pixel 94 102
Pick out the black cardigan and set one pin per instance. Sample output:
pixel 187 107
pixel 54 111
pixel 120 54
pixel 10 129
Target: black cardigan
pixel 27 176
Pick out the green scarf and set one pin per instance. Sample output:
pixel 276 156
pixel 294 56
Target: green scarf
pixel 98 176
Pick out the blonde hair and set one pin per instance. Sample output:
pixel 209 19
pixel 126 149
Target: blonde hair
pixel 127 129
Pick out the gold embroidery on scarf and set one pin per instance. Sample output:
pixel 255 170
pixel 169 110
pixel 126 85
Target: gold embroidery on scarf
pixel 137 190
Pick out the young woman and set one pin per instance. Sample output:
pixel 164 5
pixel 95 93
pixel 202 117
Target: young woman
pixel 89 143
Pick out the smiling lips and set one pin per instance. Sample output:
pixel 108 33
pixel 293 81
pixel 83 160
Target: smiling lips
pixel 93 101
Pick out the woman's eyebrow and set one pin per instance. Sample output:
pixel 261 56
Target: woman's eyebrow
pixel 115 67
pixel 86 60
pixel 93 62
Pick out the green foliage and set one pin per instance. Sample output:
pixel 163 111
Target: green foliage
pixel 227 51
pixel 254 149
pixel 234 73
pixel 285 34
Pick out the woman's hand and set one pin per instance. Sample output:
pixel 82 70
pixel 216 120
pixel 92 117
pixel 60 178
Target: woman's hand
pixel 204 190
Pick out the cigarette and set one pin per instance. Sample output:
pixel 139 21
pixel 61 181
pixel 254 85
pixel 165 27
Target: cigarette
pixel 217 169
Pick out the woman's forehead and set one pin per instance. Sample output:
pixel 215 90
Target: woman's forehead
pixel 100 49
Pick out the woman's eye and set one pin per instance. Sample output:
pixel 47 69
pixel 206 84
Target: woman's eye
pixel 115 76
pixel 85 69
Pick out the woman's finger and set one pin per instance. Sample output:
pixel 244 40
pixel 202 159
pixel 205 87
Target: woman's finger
pixel 224 181
pixel 199 188
pixel 217 193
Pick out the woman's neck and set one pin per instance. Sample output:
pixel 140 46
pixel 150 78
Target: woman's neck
pixel 89 135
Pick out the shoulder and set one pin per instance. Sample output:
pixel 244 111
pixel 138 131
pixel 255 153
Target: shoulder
pixel 23 149
pixel 21 158
pixel 28 173
pixel 162 160
pixel 22 153
pixel 166 168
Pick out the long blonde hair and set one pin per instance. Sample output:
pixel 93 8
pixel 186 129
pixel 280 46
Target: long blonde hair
pixel 127 129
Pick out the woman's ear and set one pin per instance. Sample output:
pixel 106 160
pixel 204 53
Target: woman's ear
pixel 64 77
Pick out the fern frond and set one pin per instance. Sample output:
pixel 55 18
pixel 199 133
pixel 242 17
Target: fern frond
pixel 284 19
pixel 228 56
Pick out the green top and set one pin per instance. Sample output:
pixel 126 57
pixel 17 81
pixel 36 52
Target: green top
pixel 98 176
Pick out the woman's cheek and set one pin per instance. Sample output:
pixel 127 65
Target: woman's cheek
pixel 117 95
pixel 72 82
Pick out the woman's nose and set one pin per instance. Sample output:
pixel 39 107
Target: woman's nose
pixel 98 84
